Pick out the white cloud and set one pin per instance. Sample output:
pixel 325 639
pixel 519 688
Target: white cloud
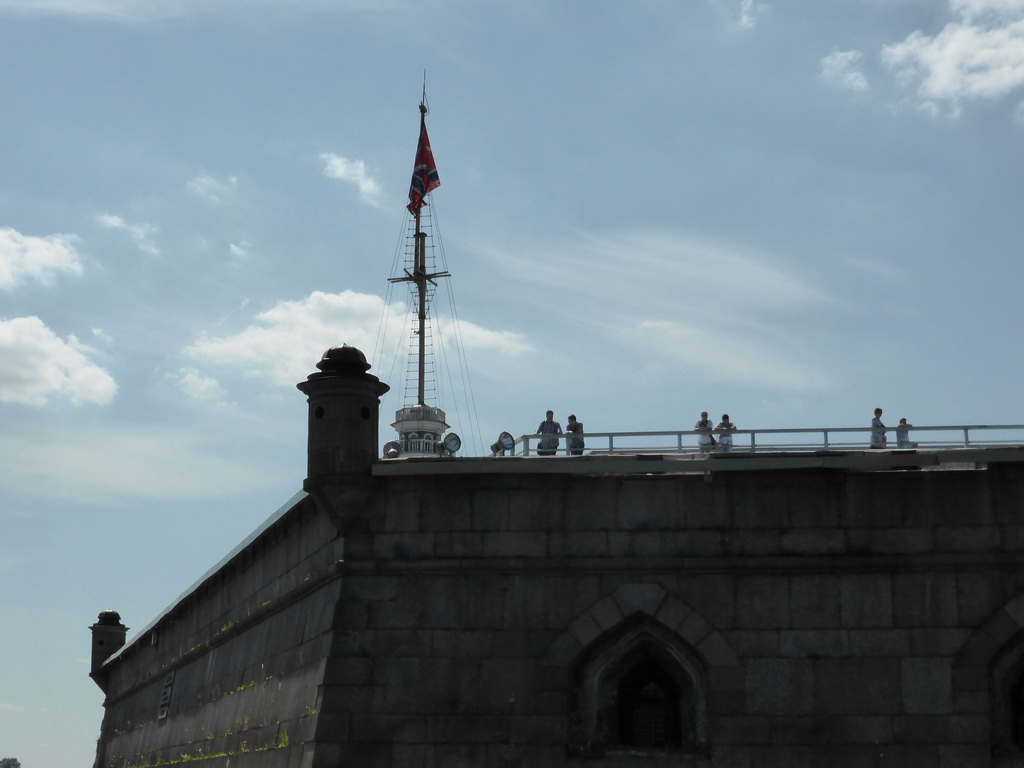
pixel 476 338
pixel 135 11
pixel 211 189
pixel 739 359
pixel 284 342
pixel 200 387
pixel 139 233
pixel 665 299
pixel 748 14
pixel 978 56
pixel 842 69
pixel 36 365
pixel 152 461
pixel 354 172
pixel 238 251
pixel 24 258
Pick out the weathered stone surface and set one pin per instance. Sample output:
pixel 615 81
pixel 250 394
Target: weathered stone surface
pixel 831 618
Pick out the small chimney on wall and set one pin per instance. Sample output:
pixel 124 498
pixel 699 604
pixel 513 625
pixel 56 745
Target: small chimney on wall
pixel 108 636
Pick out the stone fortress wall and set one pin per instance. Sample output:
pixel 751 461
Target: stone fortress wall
pixel 462 613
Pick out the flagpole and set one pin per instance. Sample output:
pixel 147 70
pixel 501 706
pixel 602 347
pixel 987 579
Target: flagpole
pixel 419 276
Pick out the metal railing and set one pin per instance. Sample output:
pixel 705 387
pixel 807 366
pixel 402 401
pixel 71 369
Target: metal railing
pixel 787 440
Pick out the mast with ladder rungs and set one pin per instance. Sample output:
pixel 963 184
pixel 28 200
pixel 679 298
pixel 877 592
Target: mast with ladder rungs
pixel 420 426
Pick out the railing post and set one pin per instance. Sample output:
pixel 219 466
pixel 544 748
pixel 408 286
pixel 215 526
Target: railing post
pixel 825 434
pixel 753 442
pixel 967 439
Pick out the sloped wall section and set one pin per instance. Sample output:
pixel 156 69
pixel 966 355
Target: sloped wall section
pixel 234 667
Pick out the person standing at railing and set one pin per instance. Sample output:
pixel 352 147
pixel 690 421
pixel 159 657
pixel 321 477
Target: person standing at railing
pixel 877 430
pixel 548 445
pixel 575 428
pixel 705 440
pixel 903 435
pixel 726 427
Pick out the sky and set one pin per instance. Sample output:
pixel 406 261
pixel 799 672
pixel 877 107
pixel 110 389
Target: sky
pixel 789 210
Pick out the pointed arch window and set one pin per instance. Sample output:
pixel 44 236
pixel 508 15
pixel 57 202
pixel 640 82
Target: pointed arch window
pixel 638 688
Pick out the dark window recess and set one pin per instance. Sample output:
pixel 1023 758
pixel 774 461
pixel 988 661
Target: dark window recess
pixel 649 709
pixel 1017 709
pixel 639 687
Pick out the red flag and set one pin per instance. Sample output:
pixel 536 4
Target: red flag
pixel 424 174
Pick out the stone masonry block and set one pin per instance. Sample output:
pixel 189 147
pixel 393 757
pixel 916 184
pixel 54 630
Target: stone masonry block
pixel 879 642
pixel 726 690
pixel 515 544
pixel 763 601
pixel 1001 627
pixel 388 729
pixel 1015 609
pixel 978 650
pixel 464 643
pixel 523 603
pixel 466 729
pixel 695 628
pixel 978 595
pixel 671 612
pixel 741 730
pixel 590 507
pixel 814 642
pixel 401 517
pixel 866 600
pixel 812 541
pixel 542 513
pixel 964 756
pixel 779 686
pixel 645 598
pixel 814 601
pixel 458 544
pixel 578 544
pixel 967 538
pixel 857 686
pixel 369 588
pixel 564 599
pixel 924 599
pixel 403 546
pixel 606 613
pixel 970 677
pixel 714 596
pixel 715 650
pixel 754 542
pixel 769 507
pixel 754 644
pixel 703 506
pixel 585 629
pixel 936 729
pixel 562 652
pixel 927 686
pixel 647 505
pixel 413 756
pixel 490 511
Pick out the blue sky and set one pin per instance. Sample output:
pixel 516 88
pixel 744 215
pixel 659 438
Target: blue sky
pixel 790 211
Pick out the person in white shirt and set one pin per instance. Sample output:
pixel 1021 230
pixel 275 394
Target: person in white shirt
pixel 726 427
pixel 705 441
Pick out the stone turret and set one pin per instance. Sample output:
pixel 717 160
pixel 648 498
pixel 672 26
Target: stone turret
pixel 344 412
pixel 108 636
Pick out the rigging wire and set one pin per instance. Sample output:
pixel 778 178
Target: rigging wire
pixel 467 384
